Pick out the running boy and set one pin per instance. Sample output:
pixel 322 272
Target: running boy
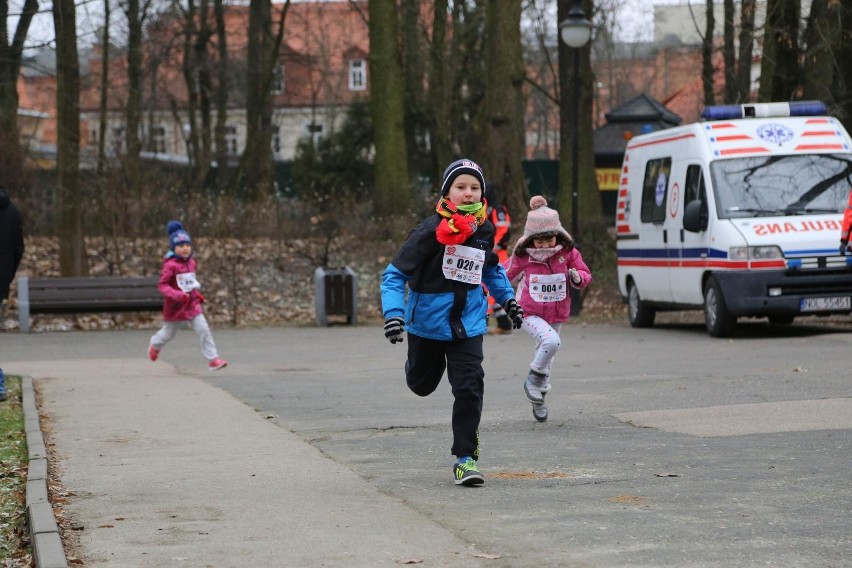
pixel 546 259
pixel 444 261
pixel 181 298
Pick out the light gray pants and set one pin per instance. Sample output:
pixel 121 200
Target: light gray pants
pixel 547 343
pixel 198 324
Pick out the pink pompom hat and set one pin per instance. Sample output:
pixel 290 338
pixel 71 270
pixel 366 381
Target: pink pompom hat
pixel 544 221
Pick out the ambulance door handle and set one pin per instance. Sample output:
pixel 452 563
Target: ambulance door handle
pixel 681 235
pixel 665 236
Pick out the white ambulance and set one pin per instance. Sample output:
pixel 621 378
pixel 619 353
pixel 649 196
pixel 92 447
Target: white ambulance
pixel 738 216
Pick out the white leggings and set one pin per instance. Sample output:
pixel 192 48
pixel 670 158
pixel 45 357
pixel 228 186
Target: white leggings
pixel 198 324
pixel 547 343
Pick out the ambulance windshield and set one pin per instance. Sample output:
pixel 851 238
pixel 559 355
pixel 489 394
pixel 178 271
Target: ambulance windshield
pixel 782 185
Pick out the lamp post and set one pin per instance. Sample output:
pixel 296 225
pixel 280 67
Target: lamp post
pixel 575 31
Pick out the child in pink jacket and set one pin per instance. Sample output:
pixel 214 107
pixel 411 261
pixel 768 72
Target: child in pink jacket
pixel 181 298
pixel 547 262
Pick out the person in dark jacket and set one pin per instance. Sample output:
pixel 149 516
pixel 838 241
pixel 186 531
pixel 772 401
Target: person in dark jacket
pixel 11 253
pixel 443 262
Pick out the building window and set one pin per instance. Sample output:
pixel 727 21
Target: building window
pixel 278 79
pixel 357 75
pixel 118 142
pixel 158 139
pixel 231 142
pixel 314 130
pixel 276 139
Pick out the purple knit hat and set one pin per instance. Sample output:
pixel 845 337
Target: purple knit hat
pixel 544 221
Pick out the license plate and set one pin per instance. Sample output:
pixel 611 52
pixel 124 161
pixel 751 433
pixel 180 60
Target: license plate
pixel 825 304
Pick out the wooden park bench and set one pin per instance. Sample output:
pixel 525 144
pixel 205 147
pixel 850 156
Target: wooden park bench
pixel 86 295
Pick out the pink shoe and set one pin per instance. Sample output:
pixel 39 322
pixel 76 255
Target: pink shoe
pixel 217 364
pixel 153 353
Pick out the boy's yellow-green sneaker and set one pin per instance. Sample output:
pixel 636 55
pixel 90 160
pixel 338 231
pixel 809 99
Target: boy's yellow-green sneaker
pixel 466 472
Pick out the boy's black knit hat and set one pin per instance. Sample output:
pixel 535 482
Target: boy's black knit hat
pixel 458 168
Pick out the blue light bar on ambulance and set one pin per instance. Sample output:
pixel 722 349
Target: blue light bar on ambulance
pixel 765 110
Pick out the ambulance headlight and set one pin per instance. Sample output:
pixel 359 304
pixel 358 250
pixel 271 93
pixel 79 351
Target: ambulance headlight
pixel 755 253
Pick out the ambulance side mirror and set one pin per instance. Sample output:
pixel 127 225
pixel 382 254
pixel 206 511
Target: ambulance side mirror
pixel 693 219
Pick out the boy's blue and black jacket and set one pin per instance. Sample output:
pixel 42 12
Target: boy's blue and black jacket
pixel 438 308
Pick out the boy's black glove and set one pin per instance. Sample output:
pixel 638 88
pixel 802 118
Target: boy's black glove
pixel 515 313
pixel 394 329
pixel 843 246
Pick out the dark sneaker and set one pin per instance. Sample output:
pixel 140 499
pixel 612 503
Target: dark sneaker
pixel 466 472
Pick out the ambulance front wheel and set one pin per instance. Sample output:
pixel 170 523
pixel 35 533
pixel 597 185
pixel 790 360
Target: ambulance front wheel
pixel 719 321
pixel 639 313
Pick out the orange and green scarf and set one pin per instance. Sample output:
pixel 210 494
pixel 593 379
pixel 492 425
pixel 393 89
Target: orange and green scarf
pixel 459 222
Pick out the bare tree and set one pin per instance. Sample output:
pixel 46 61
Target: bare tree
pixel 707 54
pixel 746 49
pixel 501 121
pixel 72 251
pixel 843 81
pixel 729 53
pixel 440 80
pixel 387 106
pixel 779 67
pixel 221 95
pixel 820 58
pixel 11 162
pixel 264 44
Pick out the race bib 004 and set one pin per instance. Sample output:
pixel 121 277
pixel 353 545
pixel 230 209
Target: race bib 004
pixel 548 287
pixel 187 282
pixel 463 264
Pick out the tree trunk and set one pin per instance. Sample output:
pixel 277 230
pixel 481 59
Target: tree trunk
pixel 746 51
pixel 11 155
pixel 263 49
pixel 576 113
pixel 501 120
pixel 221 97
pixel 822 41
pixel 440 80
pixel 707 56
pixel 205 88
pixel 779 68
pixel 104 92
pixel 387 108
pixel 729 54
pixel 72 250
pixel 414 77
pixel 842 93
pixel 133 112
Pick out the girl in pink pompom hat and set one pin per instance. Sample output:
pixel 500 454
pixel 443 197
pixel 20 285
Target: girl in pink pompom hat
pixel 546 262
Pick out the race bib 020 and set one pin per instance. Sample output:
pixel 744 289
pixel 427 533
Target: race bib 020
pixel 463 264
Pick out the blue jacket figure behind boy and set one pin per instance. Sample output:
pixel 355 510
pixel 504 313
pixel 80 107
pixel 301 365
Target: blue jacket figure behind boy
pixel 444 261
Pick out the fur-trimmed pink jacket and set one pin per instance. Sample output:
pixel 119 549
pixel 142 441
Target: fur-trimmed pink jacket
pixel 530 269
pixel 178 305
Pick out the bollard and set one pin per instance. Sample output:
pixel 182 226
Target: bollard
pixel 576 301
pixel 336 294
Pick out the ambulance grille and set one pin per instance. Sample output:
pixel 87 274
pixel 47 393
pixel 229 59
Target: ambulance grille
pixel 828 282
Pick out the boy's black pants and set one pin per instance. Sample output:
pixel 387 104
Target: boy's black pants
pixel 462 358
